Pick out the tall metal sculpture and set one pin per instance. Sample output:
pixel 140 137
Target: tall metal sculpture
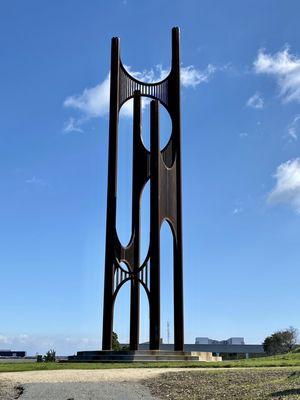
pixel 163 169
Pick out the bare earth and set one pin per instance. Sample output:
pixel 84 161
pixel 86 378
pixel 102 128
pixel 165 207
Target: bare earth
pixel 10 390
pixel 117 384
pixel 83 375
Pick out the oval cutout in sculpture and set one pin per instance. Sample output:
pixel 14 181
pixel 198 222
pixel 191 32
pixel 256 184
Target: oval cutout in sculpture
pixel 144 316
pixel 121 324
pixel 124 188
pixel 146 122
pixel 145 222
pixel 166 276
pixel 124 266
pixel 165 124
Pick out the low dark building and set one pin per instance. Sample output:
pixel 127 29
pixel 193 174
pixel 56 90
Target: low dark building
pixel 12 354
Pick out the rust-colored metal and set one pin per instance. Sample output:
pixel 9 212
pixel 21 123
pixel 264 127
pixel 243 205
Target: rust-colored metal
pixel 163 169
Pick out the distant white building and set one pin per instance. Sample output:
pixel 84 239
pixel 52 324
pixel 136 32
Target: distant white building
pixel 230 341
pixel 232 348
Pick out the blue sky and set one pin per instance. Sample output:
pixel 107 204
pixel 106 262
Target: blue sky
pixel 241 171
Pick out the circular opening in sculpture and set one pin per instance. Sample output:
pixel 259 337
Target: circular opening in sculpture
pixel 165 124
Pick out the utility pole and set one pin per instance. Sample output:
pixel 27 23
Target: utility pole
pixel 168 332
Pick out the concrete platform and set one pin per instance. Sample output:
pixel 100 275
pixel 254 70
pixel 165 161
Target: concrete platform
pixel 142 356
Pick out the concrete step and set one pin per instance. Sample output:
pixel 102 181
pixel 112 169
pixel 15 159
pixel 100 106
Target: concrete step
pixel 132 352
pixel 142 360
pixel 141 356
pixel 136 358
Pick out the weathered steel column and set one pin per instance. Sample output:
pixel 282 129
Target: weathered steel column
pixel 178 257
pixel 154 227
pixel 136 172
pixel 108 303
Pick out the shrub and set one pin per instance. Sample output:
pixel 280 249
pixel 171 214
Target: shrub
pixel 280 342
pixel 115 342
pixel 296 349
pixel 50 356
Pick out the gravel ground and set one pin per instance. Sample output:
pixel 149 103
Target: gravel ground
pixel 110 384
pixel 85 391
pixel 147 384
pixel 10 390
pixel 247 384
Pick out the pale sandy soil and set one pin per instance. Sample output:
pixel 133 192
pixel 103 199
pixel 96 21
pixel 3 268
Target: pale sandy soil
pixel 115 375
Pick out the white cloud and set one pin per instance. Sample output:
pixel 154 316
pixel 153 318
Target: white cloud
pixel 36 181
pixel 285 67
pixel 293 127
pixel 287 187
pixel 72 125
pixel 150 76
pixel 4 339
pixel 255 101
pixel 94 102
pixel 243 135
pixel 192 77
pixel 237 210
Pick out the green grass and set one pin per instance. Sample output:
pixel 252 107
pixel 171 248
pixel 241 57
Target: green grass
pixel 285 360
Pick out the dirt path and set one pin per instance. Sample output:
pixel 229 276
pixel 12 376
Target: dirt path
pixel 83 375
pixel 106 384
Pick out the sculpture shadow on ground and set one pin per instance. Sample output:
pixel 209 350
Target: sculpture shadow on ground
pixel 286 392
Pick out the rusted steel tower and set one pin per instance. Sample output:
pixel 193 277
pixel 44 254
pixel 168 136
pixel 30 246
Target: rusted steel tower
pixel 163 169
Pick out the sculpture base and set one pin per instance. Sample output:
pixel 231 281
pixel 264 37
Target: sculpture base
pixel 110 356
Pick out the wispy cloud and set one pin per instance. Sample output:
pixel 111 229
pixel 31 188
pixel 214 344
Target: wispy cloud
pixel 238 207
pixel 256 101
pixel 4 339
pixel 237 210
pixel 36 181
pixel 294 127
pixel 243 135
pixel 192 77
pixel 94 101
pixel 72 125
pixel 287 187
pixel 285 68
